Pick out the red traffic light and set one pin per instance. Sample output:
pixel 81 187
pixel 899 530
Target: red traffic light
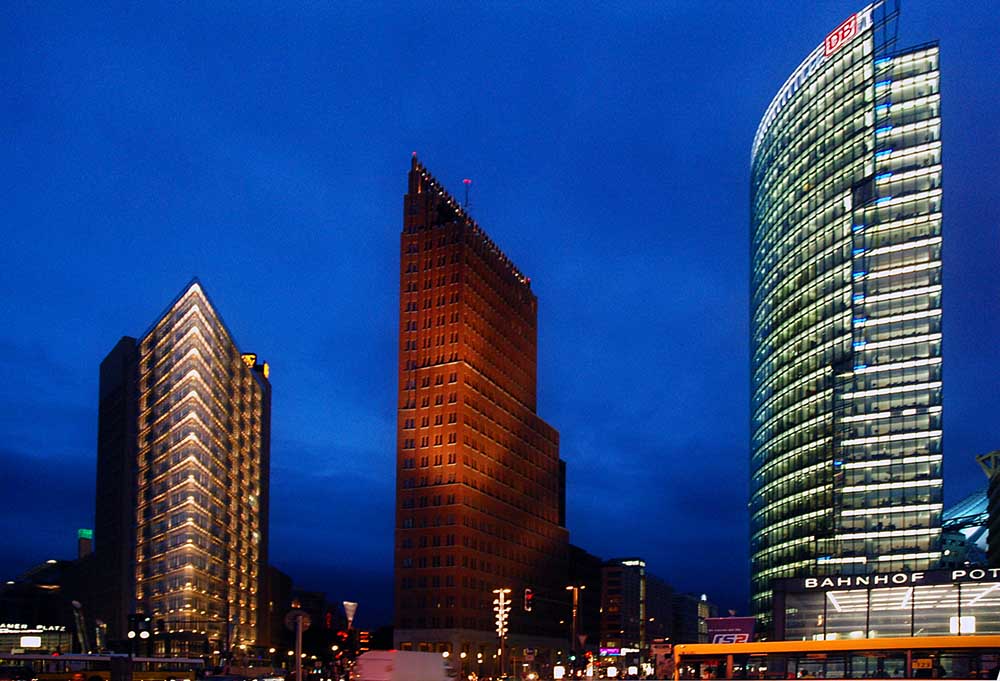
pixel 529 598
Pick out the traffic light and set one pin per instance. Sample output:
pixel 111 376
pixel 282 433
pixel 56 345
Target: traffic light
pixel 529 599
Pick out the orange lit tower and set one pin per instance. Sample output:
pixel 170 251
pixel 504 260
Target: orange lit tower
pixel 479 482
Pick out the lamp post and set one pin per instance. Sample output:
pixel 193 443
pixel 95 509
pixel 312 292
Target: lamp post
pixel 575 588
pixel 462 655
pixel 297 620
pixel 132 633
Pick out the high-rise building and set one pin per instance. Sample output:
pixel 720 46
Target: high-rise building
pixel 691 612
pixel 623 604
pixel 638 609
pixel 182 481
pixel 846 457
pixel 478 484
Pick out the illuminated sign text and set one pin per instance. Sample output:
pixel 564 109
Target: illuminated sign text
pixel 731 638
pixel 841 35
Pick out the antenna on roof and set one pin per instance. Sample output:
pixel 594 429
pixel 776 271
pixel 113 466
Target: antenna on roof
pixel 468 183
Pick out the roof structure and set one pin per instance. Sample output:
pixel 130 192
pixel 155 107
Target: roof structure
pixel 969 512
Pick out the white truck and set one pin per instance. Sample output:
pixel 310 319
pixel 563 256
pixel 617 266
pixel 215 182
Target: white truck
pixel 402 665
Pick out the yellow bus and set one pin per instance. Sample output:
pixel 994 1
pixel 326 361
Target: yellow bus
pixel 35 667
pixel 952 657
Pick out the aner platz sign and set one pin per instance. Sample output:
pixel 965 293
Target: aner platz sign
pixel 22 628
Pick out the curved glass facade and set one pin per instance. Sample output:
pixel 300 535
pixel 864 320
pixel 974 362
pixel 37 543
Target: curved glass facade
pixel 846 312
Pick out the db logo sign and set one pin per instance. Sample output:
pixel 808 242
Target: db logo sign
pixel 731 638
pixel 841 36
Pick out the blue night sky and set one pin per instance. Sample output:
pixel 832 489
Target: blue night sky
pixel 264 149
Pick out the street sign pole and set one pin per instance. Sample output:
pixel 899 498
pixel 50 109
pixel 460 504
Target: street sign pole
pixel 298 648
pixel 298 621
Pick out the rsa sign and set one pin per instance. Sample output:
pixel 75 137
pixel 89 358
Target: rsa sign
pixel 731 638
pixel 841 35
pixel 730 629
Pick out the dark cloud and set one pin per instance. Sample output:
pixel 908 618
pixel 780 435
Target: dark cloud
pixel 45 501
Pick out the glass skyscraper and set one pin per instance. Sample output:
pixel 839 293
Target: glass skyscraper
pixel 183 482
pixel 846 458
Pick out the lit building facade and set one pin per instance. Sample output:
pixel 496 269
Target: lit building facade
pixel 638 608
pixel 846 457
pixel 961 601
pixel 478 478
pixel 182 481
pixel 623 605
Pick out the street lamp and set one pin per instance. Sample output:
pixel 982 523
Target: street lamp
pixel 138 628
pixel 501 606
pixel 575 588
